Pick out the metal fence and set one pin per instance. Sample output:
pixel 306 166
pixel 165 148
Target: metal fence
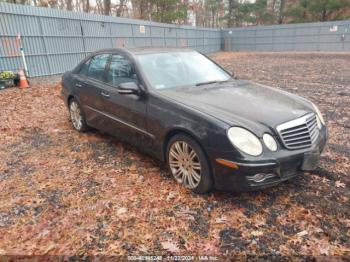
pixel 55 41
pixel 325 36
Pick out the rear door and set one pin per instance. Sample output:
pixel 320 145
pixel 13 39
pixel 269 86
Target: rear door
pixel 89 87
pixel 127 113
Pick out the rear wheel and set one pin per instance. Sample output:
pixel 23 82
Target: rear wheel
pixel 76 115
pixel 188 164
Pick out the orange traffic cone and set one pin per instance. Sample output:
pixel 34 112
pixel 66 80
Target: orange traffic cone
pixel 23 83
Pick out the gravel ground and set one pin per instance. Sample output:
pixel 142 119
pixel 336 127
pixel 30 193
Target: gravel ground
pixel 65 193
pixel 45 79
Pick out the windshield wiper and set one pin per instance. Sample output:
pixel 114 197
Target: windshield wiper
pixel 211 82
pixel 206 83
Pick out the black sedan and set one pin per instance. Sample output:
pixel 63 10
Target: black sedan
pixel 212 130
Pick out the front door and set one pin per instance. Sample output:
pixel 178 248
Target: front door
pixel 127 113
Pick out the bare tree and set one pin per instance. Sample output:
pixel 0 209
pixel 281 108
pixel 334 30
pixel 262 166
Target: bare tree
pixel 86 6
pixel 69 5
pixel 53 3
pixel 281 12
pixel 142 9
pixel 42 3
pixel 99 7
pixel 121 7
pixel 106 7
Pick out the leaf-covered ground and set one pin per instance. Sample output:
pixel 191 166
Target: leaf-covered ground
pixel 65 193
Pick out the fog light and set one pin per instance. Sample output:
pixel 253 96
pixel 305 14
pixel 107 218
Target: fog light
pixel 258 178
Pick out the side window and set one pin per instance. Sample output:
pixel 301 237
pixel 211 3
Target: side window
pixel 120 71
pixel 97 66
pixel 84 69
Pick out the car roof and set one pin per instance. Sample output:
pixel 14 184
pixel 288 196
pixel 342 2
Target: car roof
pixel 146 50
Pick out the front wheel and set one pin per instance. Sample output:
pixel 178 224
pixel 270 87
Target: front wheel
pixel 76 116
pixel 188 164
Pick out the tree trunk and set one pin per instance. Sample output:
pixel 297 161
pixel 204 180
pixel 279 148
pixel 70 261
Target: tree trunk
pixel 213 18
pixel 86 6
pixel 106 7
pixel 281 11
pixel 230 21
pixel 141 9
pixel 69 4
pixel 120 8
pixel 324 15
pixel 135 8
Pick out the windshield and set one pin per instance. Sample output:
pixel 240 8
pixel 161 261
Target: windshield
pixel 169 70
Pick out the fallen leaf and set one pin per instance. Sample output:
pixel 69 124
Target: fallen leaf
pixel 323 248
pixel 122 210
pixel 339 184
pixel 170 246
pixel 302 233
pixel 221 220
pixel 171 195
pixel 257 233
pixel 346 222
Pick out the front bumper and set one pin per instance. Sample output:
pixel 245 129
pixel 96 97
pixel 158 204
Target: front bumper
pixel 284 165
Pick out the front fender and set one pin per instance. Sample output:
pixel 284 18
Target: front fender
pixel 166 118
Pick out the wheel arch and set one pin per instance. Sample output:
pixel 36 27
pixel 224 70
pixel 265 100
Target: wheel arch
pixel 69 98
pixel 72 96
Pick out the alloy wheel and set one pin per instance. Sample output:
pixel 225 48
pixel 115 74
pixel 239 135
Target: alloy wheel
pixel 75 115
pixel 184 164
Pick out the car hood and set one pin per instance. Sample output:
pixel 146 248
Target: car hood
pixel 243 103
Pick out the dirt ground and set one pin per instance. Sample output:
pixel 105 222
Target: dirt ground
pixel 65 193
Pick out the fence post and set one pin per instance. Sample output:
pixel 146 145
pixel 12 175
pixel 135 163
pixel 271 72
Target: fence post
pixel 133 35
pixel 273 39
pixel 176 28
pixel 295 38
pixel 255 39
pixel 203 45
pixel 110 34
pixel 45 45
pixel 318 38
pixel 82 37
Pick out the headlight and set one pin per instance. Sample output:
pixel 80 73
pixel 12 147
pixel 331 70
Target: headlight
pixel 318 112
pixel 245 141
pixel 270 142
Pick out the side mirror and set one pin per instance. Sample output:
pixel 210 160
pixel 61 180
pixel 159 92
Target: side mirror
pixel 128 88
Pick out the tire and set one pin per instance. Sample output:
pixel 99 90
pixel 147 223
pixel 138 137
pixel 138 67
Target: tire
pixel 77 116
pixel 188 164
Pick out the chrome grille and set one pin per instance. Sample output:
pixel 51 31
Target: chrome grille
pixel 299 133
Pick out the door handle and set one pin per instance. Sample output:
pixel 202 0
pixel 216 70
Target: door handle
pixel 104 94
pixel 78 85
